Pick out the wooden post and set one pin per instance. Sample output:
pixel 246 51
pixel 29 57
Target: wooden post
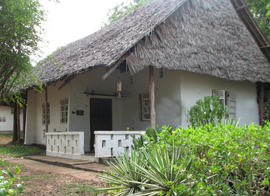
pixel 18 123
pixel 261 104
pixel 24 114
pixel 46 109
pixel 152 97
pixel 14 138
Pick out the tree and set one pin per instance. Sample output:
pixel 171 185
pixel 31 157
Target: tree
pixel 20 32
pixel 122 9
pixel 261 12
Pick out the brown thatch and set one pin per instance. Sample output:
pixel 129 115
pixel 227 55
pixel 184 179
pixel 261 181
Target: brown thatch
pixel 201 36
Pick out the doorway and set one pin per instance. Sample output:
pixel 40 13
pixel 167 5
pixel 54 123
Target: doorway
pixel 100 117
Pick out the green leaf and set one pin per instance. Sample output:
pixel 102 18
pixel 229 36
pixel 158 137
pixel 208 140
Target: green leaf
pixel 20 187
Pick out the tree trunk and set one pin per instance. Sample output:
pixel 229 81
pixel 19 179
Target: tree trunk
pixel 18 123
pixel 152 97
pixel 14 138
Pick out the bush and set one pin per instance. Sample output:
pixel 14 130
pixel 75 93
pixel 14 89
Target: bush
pixel 6 183
pixel 223 160
pixel 205 111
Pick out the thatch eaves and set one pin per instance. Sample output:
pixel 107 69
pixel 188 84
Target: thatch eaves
pixel 201 36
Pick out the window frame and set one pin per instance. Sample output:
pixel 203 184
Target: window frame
pixel 145 107
pixel 64 112
pixel 43 114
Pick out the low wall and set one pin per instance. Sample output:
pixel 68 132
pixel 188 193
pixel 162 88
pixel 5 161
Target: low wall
pixel 65 144
pixel 112 143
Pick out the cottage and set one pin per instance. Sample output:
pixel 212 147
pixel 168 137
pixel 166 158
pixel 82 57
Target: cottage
pixel 148 69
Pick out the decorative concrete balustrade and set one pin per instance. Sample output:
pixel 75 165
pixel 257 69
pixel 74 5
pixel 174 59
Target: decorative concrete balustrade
pixel 65 144
pixel 111 143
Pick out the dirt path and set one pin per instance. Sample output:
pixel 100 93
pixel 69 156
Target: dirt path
pixel 43 179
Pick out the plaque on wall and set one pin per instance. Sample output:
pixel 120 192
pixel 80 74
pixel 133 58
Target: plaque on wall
pixel 80 112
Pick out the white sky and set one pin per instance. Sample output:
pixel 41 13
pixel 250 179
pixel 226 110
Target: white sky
pixel 71 20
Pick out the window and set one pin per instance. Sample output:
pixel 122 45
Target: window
pixel 229 99
pixel 43 113
pixel 64 110
pixel 1 120
pixel 4 119
pixel 12 111
pixel 145 106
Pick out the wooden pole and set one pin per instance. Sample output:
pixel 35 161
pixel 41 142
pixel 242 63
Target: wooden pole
pixel 152 97
pixel 46 109
pixel 261 104
pixel 18 123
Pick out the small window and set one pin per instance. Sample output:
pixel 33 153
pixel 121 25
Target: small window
pixel 145 106
pixel 229 99
pixel 64 110
pixel 12 110
pixel 4 119
pixel 1 119
pixel 43 113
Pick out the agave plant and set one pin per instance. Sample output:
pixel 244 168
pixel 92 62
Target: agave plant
pixel 226 121
pixel 155 172
pixel 164 171
pixel 127 178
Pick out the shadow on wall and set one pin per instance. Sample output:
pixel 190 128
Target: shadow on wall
pixel 168 112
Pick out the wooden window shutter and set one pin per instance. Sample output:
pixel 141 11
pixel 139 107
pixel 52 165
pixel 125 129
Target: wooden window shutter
pixel 221 94
pixel 232 105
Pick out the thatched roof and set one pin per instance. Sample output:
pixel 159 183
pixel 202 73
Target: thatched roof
pixel 201 36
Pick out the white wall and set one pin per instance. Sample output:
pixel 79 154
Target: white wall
pixel 126 110
pixel 35 128
pixel 8 125
pixel 195 87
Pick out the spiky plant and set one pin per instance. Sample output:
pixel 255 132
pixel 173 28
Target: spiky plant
pixel 155 172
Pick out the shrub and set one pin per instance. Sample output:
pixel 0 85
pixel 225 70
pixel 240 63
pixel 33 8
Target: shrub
pixel 205 111
pixel 208 160
pixel 236 158
pixel 6 183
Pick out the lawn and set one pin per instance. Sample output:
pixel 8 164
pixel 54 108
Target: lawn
pixel 39 182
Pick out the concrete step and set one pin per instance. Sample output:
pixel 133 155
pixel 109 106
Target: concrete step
pixel 85 165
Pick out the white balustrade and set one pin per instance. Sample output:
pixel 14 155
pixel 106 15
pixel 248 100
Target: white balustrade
pixel 112 143
pixel 65 144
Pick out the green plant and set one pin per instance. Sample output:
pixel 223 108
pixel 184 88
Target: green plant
pixel 126 179
pixel 150 135
pixel 205 111
pixel 6 183
pixel 225 121
pixel 150 173
pixel 228 159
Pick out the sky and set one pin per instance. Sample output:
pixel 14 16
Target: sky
pixel 71 20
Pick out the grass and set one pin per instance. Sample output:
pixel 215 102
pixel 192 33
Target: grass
pixel 18 150
pixel 4 137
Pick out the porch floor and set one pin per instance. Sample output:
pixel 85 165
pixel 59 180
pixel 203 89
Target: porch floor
pixel 86 165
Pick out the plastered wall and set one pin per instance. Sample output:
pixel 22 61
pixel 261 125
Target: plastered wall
pixel 35 128
pixel 5 112
pixel 195 87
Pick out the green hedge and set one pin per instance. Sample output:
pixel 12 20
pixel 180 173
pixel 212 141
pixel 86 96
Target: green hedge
pixel 223 160
pixel 226 160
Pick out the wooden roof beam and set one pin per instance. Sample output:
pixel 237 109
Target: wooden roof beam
pixel 67 81
pixel 240 8
pixel 111 69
